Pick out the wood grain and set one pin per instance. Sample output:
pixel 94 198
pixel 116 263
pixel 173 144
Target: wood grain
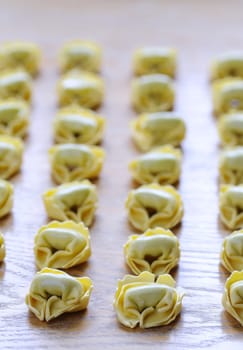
pixel 200 30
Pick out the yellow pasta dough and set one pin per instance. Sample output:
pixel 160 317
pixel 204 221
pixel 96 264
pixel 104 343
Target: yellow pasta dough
pixel 231 206
pixel 233 296
pixel 2 248
pixel 80 89
pixel 70 162
pixel 20 55
pixel 142 301
pixel 232 251
pixel 11 150
pixel 6 197
pixel 156 251
pixel 15 84
pixel 157 129
pixel 162 165
pixel 75 201
pixel 229 64
pixel 151 60
pixel 77 125
pixel 153 205
pixel 53 293
pixel 14 118
pixel 61 245
pixel 230 128
pixel 80 54
pixel 153 93
pixel 231 166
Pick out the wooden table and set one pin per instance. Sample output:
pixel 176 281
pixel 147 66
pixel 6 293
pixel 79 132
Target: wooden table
pixel 200 30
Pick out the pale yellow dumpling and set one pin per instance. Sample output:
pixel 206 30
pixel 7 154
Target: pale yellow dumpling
pixel 229 64
pixel 11 150
pixel 2 248
pixel 153 93
pixel 231 166
pixel 15 84
pixel 77 125
pixel 162 165
pixel 6 197
pixel 230 128
pixel 73 162
pixel 153 205
pixel 20 55
pixel 232 251
pixel 233 296
pixel 157 129
pixel 142 301
pixel 54 292
pixel 156 251
pixel 61 245
pixel 231 206
pixel 80 54
pixel 80 89
pixel 75 201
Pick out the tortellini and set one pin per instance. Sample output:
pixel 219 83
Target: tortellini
pixel 156 251
pixel 6 197
pixel 231 129
pixel 151 60
pixel 153 205
pixel 2 248
pixel 233 296
pixel 15 84
pixel 71 162
pixel 53 292
pixel 62 245
pixel 11 150
pixel 14 118
pixel 80 89
pixel 157 129
pixel 75 201
pixel 228 96
pixel 153 93
pixel 231 166
pixel 140 301
pixel 232 251
pixel 162 165
pixel 229 64
pixel 20 55
pixel 231 206
pixel 77 125
pixel 80 54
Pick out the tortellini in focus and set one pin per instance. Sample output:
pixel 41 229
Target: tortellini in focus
pixel 231 129
pixel 80 89
pixel 229 64
pixel 6 197
pixel 20 55
pixel 151 60
pixel 80 54
pixel 162 165
pixel 77 125
pixel 53 292
pixel 231 206
pixel 157 129
pixel 11 150
pixel 15 84
pixel 2 248
pixel 232 251
pixel 75 201
pixel 231 166
pixel 153 93
pixel 73 162
pixel 61 245
pixel 140 301
pixel 153 205
pixel 233 296
pixel 156 251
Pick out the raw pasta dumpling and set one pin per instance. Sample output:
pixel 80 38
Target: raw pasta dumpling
pixel 71 162
pixel 231 206
pixel 230 128
pixel 2 248
pixel 229 64
pixel 75 201
pixel 231 166
pixel 153 93
pixel 153 205
pixel 15 84
pixel 6 197
pixel 53 292
pixel 80 54
pixel 142 301
pixel 232 251
pixel 151 60
pixel 80 89
pixel 156 251
pixel 78 125
pixel 61 245
pixel 11 150
pixel 20 55
pixel 162 165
